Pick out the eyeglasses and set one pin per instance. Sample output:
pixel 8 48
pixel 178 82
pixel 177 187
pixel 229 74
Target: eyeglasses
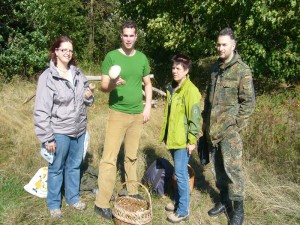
pixel 66 50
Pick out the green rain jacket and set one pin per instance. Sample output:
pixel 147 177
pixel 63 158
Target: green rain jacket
pixel 182 116
pixel 230 99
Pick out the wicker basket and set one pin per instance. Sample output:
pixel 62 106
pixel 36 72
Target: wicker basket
pixel 191 179
pixel 132 211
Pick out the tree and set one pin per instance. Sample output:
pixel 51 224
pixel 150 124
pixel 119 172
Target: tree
pixel 103 24
pixel 268 37
pixel 30 26
pixel 266 30
pixel 20 42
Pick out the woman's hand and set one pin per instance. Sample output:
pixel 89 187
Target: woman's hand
pixel 51 146
pixel 190 148
pixel 90 91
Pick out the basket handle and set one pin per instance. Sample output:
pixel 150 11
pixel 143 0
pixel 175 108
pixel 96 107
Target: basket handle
pixel 133 181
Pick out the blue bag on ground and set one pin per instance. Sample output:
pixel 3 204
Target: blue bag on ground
pixel 158 176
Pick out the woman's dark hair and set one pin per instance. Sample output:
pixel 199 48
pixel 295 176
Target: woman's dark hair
pixel 55 45
pixel 184 60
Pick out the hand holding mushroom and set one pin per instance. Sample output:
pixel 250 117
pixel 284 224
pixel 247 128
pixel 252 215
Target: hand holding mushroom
pixel 114 74
pixel 90 91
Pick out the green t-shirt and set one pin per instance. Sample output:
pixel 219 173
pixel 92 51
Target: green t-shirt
pixel 127 98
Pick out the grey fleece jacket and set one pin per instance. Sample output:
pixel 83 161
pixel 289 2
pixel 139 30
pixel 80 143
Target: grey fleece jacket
pixel 60 107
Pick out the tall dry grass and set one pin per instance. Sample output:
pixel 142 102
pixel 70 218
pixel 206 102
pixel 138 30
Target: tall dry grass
pixel 271 199
pixel 273 134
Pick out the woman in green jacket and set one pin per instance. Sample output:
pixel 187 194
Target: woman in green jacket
pixel 180 131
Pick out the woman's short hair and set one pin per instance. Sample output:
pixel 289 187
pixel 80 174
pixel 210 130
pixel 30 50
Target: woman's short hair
pixel 55 45
pixel 182 59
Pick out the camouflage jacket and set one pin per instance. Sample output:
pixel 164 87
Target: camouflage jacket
pixel 230 99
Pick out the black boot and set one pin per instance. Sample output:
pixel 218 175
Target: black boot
pixel 223 206
pixel 217 210
pixel 238 213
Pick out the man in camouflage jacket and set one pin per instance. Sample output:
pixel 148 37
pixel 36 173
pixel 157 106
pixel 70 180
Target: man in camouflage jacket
pixel 229 103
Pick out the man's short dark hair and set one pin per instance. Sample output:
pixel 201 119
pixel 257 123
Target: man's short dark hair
pixel 129 24
pixel 227 31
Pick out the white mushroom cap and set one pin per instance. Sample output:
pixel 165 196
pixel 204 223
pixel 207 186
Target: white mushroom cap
pixel 114 71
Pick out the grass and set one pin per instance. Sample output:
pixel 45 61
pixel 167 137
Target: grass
pixel 271 163
pixel 274 133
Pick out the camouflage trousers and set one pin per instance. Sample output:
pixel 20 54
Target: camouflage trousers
pixel 226 158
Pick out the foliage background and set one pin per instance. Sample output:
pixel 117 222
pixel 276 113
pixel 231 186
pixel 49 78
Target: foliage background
pixel 266 30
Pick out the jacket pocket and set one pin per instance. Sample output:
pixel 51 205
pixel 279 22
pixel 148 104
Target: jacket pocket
pixel 230 92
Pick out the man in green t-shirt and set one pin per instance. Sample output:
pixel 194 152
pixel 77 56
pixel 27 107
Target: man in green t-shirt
pixel 127 114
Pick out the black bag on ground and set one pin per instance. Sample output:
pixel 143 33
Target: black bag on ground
pixel 89 178
pixel 203 151
pixel 158 176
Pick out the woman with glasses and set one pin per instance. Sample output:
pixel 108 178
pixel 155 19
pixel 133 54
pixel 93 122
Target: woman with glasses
pixel 180 130
pixel 60 120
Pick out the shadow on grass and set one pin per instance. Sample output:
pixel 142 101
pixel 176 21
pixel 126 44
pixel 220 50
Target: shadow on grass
pixel 201 183
pixel 150 155
pixel 120 163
